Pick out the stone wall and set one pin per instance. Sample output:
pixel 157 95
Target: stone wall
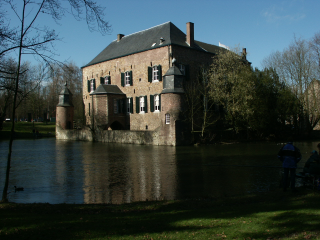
pixel 115 136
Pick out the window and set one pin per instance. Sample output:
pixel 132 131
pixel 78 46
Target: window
pixel 167 118
pixel 155 103
pixel 154 73
pixel 105 80
pixel 182 69
pixel 141 104
pixel 115 106
pixel 91 85
pixel 126 79
pixel 129 105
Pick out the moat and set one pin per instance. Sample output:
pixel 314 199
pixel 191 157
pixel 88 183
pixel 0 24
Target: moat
pixel 55 171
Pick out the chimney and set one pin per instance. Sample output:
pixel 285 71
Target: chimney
pixel 119 37
pixel 244 53
pixel 190 34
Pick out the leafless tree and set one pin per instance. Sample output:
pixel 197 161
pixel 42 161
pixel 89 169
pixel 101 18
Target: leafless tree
pixel 29 37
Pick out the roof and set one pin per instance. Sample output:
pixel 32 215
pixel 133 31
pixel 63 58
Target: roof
pixel 173 71
pixel 147 40
pixel 107 89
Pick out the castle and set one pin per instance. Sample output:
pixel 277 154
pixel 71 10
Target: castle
pixel 133 90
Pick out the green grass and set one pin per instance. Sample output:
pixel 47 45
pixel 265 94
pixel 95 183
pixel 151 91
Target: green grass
pixel 24 130
pixel 275 215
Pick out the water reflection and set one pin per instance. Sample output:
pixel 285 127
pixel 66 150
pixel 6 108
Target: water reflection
pixel 127 173
pixel 56 171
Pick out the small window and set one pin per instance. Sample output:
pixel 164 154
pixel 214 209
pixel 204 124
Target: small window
pixel 155 74
pixel 142 105
pixel 129 105
pixel 182 69
pixel 91 85
pixel 115 106
pixel 167 118
pixel 156 103
pixel 127 78
pixel 107 80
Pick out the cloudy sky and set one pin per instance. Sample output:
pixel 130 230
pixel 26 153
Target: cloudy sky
pixel 260 26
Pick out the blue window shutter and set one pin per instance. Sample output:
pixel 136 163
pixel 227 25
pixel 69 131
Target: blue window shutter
pixel 89 87
pixel 145 104
pixel 94 84
pixel 101 80
pixel 109 78
pixel 149 74
pixel 131 81
pixel 137 104
pixel 151 103
pixel 122 79
pixel 160 72
pixel 159 102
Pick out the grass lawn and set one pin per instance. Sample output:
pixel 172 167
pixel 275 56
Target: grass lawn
pixel 275 215
pixel 24 130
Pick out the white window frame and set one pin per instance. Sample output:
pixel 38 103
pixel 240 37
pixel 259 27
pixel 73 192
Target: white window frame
pixel 157 103
pixel 155 74
pixel 128 105
pixel 106 80
pixel 91 85
pixel 142 105
pixel 127 78
pixel 167 118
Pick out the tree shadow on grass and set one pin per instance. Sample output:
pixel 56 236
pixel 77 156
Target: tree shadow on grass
pixel 281 215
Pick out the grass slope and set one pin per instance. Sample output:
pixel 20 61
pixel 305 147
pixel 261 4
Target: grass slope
pixel 24 130
pixel 275 215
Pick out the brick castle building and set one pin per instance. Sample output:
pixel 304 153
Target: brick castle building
pixel 136 84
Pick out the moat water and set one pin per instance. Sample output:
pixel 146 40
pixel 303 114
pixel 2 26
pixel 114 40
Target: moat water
pixel 55 171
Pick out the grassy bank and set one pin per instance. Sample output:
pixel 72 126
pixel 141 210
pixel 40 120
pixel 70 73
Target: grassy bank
pixel 275 215
pixel 25 130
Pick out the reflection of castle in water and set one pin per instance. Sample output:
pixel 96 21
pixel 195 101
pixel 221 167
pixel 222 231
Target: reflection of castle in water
pixel 129 175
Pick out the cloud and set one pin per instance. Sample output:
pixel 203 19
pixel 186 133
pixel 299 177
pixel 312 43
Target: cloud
pixel 278 14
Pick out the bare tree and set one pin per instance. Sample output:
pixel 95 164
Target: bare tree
pixel 30 38
pixel 296 67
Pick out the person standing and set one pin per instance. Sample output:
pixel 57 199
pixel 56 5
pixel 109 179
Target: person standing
pixel 289 155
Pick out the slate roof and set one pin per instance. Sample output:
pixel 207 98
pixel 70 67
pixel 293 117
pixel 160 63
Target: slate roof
pixel 107 89
pixel 147 40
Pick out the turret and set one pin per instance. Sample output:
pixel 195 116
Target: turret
pixel 65 109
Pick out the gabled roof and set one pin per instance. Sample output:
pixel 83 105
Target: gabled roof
pixel 147 40
pixel 107 89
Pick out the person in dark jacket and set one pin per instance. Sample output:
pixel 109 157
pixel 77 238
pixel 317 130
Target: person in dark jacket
pixel 312 165
pixel 289 155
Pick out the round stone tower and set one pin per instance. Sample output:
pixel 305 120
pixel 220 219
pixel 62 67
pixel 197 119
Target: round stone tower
pixel 174 130
pixel 64 110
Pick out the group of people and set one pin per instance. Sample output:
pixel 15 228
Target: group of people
pixel 290 155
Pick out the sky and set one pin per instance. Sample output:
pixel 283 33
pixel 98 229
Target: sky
pixel 260 26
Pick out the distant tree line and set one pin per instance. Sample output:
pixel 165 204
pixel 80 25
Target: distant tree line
pixel 279 101
pixel 39 89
